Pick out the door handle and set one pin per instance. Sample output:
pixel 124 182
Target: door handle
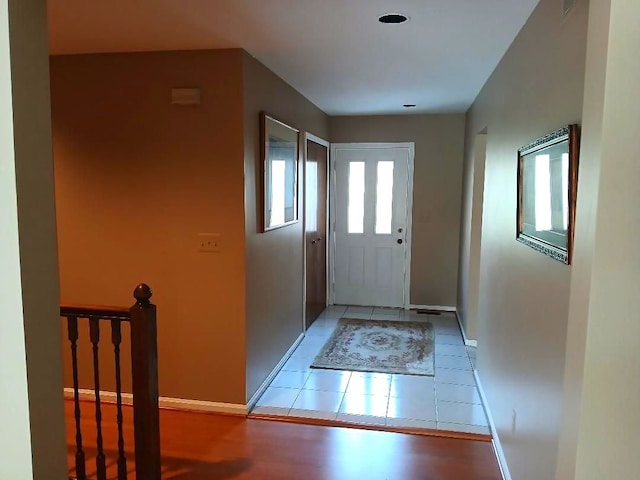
pixel 317 240
pixel 399 241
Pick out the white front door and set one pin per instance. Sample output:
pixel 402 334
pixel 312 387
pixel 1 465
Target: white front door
pixel 371 223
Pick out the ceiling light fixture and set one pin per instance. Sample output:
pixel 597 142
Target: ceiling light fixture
pixel 393 18
pixel 409 105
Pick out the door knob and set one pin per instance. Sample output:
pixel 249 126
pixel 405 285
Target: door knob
pixel 399 241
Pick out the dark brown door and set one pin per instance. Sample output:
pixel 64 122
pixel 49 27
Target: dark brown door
pixel 316 229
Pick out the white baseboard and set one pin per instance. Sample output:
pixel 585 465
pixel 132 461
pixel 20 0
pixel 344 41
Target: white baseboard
pixel 164 402
pixel 203 406
pixel 105 396
pixel 497 446
pixel 467 342
pixel 189 404
pixel 254 398
pixel 440 308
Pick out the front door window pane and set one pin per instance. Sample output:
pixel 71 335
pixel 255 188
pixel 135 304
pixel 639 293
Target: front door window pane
pixel 384 198
pixel 356 198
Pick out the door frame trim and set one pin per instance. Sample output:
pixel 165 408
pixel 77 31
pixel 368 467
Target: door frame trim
pixel 320 141
pixel 409 233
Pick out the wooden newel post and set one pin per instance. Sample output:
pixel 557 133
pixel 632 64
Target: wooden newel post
pixel 144 359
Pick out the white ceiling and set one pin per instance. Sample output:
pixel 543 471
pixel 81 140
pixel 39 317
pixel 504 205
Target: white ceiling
pixel 334 52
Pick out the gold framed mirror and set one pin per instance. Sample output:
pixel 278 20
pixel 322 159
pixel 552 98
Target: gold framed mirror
pixel 547 188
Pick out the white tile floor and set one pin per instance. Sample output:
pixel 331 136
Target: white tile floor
pixel 447 401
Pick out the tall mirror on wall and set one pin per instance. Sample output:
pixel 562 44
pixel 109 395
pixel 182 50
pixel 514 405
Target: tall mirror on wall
pixel 547 187
pixel 279 173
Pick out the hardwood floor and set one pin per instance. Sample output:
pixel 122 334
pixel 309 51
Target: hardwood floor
pixel 197 446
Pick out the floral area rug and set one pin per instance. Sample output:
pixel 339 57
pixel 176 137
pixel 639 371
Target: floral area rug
pixel 379 346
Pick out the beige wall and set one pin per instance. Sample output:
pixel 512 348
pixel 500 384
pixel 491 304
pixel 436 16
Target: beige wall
pixel 524 295
pixel 471 235
pixel 437 185
pixel 581 272
pixel 600 430
pixel 137 179
pixel 273 259
pixel 32 437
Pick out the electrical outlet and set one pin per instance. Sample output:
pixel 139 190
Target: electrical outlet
pixel 513 421
pixel 209 242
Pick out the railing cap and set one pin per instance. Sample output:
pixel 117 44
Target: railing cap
pixel 142 294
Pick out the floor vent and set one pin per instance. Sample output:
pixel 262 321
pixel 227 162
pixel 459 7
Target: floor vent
pixel 428 312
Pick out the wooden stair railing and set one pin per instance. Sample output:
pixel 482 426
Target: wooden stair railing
pixel 144 371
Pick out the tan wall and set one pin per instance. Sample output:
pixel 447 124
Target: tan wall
pixel 602 380
pixel 471 235
pixel 274 259
pixel 524 295
pixel 437 183
pixel 32 436
pixel 137 179
pixel 466 212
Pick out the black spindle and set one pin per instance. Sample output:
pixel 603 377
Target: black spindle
pixel 116 338
pixel 94 333
pixel 72 330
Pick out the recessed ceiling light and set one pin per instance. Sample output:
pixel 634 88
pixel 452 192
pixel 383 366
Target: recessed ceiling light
pixel 393 18
pixel 409 105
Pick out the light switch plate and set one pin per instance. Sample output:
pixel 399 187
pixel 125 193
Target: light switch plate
pixel 209 242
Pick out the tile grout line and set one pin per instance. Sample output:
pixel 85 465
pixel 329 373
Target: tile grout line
pixel 435 398
pixel 344 394
pixel 386 412
pixel 298 395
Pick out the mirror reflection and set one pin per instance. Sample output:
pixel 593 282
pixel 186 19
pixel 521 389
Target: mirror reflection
pixel 280 152
pixel 545 192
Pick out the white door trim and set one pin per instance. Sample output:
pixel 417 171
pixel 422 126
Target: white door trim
pixel 324 143
pixel 332 169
